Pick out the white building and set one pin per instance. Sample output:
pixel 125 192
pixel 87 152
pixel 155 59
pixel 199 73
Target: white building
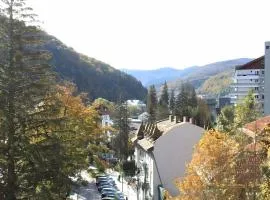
pixel 267 79
pixel 254 75
pixel 247 77
pixel 162 151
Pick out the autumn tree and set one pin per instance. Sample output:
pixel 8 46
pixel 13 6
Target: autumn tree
pixel 211 172
pixel 152 103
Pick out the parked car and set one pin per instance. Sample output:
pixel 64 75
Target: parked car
pixel 104 185
pixel 108 198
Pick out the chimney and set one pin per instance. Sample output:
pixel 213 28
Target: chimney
pixel 267 79
pixel 171 118
pixel 191 120
pixel 184 119
pixel 176 119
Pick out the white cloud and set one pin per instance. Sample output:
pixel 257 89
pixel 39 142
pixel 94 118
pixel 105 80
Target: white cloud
pixel 157 33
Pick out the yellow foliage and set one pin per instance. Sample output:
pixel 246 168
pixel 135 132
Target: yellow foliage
pixel 211 168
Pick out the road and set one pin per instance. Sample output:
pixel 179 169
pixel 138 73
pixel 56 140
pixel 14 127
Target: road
pixel 88 192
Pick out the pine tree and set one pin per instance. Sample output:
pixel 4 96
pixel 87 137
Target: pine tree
pixel 26 83
pixel 163 104
pixel 152 103
pixel 122 126
pixel 172 102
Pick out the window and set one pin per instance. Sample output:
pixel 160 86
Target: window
pixel 256 80
pixel 262 71
pixel 256 72
pixel 267 47
pixel 251 80
pixel 262 96
pixel 256 96
pixel 256 88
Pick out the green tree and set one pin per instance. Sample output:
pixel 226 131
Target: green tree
pixel 26 83
pixel 225 120
pixel 186 101
pixel 163 103
pixel 152 103
pixel 172 102
pixel 121 124
pixel 246 111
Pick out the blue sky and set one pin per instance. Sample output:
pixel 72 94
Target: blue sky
pixel 149 34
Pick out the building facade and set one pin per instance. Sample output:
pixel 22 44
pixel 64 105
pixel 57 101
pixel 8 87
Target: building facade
pixel 267 79
pixel 249 77
pixel 162 151
pixel 255 76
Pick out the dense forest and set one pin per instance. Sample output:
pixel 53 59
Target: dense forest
pixel 94 77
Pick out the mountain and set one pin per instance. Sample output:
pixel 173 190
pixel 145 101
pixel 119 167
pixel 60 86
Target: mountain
pixel 158 76
pixel 94 77
pixel 196 75
pixel 218 84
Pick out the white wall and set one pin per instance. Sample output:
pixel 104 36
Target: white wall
pixel 267 79
pixel 173 151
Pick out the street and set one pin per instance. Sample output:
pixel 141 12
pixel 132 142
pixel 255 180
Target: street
pixel 88 192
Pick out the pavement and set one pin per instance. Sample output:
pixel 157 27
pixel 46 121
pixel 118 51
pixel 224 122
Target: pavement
pixel 128 191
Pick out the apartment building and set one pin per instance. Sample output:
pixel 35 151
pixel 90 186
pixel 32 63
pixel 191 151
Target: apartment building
pixel 249 76
pixel 254 75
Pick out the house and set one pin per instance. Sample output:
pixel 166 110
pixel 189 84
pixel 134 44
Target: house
pixel 162 151
pixel 254 75
pixel 255 128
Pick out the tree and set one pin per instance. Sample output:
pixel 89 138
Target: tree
pixel 163 103
pixel 172 102
pixel 202 114
pixel 45 132
pixel 211 172
pixel 246 111
pixel 152 103
pixel 225 120
pixel 26 83
pixel 186 101
pixel 121 124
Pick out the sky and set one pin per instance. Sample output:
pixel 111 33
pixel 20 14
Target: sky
pixel 150 34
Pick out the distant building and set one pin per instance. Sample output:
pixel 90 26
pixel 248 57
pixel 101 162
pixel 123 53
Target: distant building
pixel 137 103
pixel 249 76
pixel 254 75
pixel 162 151
pixel 215 104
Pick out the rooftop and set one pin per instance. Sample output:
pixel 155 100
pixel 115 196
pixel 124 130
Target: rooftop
pixel 148 133
pixel 257 63
pixel 258 125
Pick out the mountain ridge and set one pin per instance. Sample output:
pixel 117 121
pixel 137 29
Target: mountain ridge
pixel 90 75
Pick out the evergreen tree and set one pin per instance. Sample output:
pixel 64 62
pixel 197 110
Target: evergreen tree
pixel 164 98
pixel 45 133
pixel 152 103
pixel 163 104
pixel 26 83
pixel 122 126
pixel 172 102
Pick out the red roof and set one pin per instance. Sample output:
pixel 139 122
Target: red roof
pixel 258 125
pixel 258 63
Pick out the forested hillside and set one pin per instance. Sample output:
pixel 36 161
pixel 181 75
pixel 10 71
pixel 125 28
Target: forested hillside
pixel 218 84
pixel 94 77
